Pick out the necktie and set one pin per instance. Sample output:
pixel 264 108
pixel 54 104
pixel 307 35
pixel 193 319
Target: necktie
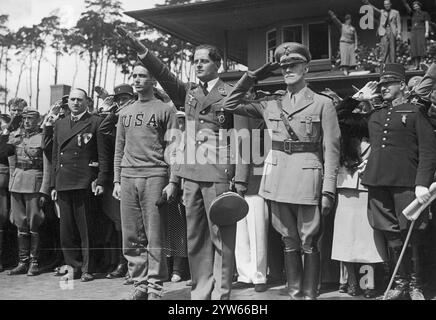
pixel 204 86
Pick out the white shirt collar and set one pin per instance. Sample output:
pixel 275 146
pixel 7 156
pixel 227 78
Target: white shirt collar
pixel 211 83
pixel 79 116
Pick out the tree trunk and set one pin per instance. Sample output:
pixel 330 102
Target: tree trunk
pixel 115 75
pixel 90 69
pixel 94 78
pixel 56 67
pixel 100 74
pixel 76 70
pixel 30 79
pixel 6 78
pixel 38 71
pixel 105 71
pixel 19 76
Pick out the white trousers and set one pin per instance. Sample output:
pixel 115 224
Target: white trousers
pixel 252 242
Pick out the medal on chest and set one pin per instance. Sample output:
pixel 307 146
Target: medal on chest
pixel 404 119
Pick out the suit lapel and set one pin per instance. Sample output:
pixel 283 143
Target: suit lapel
pixel 84 122
pixel 216 94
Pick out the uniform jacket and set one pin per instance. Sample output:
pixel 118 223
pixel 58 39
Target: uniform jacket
pixel 403 147
pixel 204 118
pixel 5 151
pixel 30 173
pixel 297 178
pixel 76 153
pixel 394 19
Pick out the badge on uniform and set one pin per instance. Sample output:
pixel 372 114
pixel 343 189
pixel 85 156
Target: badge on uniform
pixel 190 99
pixel 79 140
pixel 222 91
pixel 87 137
pixel 404 119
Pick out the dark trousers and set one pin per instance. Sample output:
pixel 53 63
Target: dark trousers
pixel 388 47
pixel 211 248
pixel 74 225
pixel 4 213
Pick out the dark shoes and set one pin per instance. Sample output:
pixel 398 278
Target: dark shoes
pixel 86 277
pixel 369 293
pixel 416 294
pixel 354 290
pixel 34 269
pixel 119 272
pixel 343 288
pixel 22 268
pixel 260 287
pixel 153 296
pixel 138 294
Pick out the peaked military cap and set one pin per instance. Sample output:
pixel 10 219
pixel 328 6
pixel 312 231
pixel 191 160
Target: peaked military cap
pixel 228 208
pixel 30 112
pixel 292 53
pixel 123 88
pixel 392 72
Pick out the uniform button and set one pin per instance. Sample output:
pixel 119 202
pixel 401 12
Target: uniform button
pixel 384 139
pixel 201 121
pixel 226 170
pixel 222 109
pixel 388 119
pixel 383 146
pixel 203 112
pixel 198 142
pixel 75 153
pixel 389 112
pixel 385 131
pixel 386 124
pixel 62 153
pixel 62 165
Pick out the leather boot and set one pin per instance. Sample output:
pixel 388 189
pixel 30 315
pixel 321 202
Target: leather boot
pixel 34 255
pixel 401 280
pixel 294 274
pixel 23 254
pixel 416 281
pixel 1 250
pixel 121 269
pixel 312 265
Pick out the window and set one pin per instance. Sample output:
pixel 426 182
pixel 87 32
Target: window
pixel 271 44
pixel 293 34
pixel 319 40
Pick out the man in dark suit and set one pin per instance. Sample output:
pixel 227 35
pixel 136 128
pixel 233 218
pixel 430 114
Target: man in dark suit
pixel 210 247
pixel 77 149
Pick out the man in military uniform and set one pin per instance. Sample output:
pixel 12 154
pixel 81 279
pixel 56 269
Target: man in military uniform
pixel 4 181
pixel 77 150
pixel 210 247
pixel 29 188
pixel 401 166
pixel 301 169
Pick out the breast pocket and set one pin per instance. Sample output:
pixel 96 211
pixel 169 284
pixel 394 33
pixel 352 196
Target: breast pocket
pixel 310 126
pixel 274 123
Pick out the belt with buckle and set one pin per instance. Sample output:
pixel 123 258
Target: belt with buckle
pixel 28 166
pixel 290 146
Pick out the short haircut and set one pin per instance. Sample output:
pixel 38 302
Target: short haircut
pixel 347 17
pixel 214 53
pixel 17 102
pixel 138 63
pixel 80 89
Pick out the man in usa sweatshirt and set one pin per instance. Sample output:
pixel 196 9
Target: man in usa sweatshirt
pixel 141 175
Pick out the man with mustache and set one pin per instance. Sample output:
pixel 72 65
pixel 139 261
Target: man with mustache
pixel 299 180
pixel 401 166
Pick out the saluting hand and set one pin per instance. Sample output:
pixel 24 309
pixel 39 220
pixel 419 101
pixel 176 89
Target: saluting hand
pixel 422 194
pixel 265 71
pixel 131 39
pixel 367 93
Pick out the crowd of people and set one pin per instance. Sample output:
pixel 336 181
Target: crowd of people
pixel 389 31
pixel 137 160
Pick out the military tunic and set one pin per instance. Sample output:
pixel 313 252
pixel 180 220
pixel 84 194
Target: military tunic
pixel 28 181
pixel 403 156
pixel 293 182
pixel 206 162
